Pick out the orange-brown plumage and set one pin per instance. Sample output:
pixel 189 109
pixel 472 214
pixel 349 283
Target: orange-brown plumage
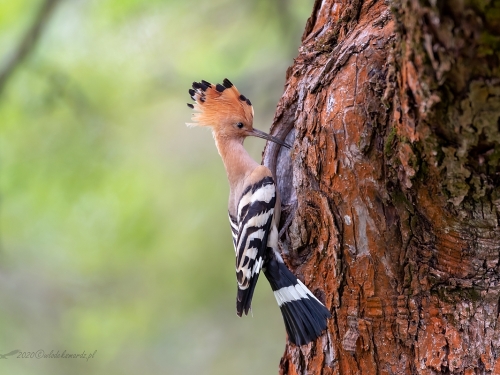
pixel 220 106
pixel 254 211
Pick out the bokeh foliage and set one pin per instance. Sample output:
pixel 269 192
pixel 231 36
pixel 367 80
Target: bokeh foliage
pixel 113 221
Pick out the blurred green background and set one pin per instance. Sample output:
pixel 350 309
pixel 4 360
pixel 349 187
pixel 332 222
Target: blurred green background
pixel 113 215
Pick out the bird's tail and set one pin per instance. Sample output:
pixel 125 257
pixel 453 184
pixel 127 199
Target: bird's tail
pixel 304 315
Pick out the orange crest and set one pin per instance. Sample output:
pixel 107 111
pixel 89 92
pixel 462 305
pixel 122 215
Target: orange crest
pixel 219 104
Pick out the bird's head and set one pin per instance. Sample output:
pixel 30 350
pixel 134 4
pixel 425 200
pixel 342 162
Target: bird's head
pixel 225 110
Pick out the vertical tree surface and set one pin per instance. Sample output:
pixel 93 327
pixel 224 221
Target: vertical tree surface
pixel 391 193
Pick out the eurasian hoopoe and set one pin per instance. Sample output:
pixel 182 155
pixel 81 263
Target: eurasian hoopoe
pixel 254 211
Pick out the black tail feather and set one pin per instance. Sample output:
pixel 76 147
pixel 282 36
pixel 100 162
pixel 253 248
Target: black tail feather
pixel 298 333
pixel 304 316
pixel 289 322
pixel 303 322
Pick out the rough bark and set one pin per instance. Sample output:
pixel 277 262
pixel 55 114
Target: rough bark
pixel 391 192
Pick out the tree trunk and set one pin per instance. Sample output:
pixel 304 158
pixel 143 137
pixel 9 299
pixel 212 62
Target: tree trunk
pixel 391 197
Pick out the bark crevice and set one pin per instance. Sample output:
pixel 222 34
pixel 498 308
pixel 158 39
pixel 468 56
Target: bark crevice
pixel 395 175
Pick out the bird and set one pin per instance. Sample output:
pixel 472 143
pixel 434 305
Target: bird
pixel 254 211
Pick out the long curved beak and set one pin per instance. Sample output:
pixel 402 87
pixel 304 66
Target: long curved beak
pixel 261 134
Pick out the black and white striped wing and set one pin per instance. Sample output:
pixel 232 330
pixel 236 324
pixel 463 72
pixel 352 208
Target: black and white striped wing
pixel 234 229
pixel 254 221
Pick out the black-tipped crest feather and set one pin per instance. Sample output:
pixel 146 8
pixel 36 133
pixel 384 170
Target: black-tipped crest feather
pixel 215 103
pixel 201 86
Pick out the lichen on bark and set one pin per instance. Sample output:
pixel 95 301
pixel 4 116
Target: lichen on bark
pixel 392 217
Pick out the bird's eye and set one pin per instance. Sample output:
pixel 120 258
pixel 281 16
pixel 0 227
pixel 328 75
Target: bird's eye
pixel 239 125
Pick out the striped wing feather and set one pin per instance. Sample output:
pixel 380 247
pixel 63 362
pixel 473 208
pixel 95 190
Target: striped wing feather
pixel 254 220
pixel 234 230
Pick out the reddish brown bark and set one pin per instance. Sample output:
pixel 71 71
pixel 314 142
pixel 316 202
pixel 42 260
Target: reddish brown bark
pixel 391 194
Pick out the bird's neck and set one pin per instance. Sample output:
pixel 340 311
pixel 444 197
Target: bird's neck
pixel 237 161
